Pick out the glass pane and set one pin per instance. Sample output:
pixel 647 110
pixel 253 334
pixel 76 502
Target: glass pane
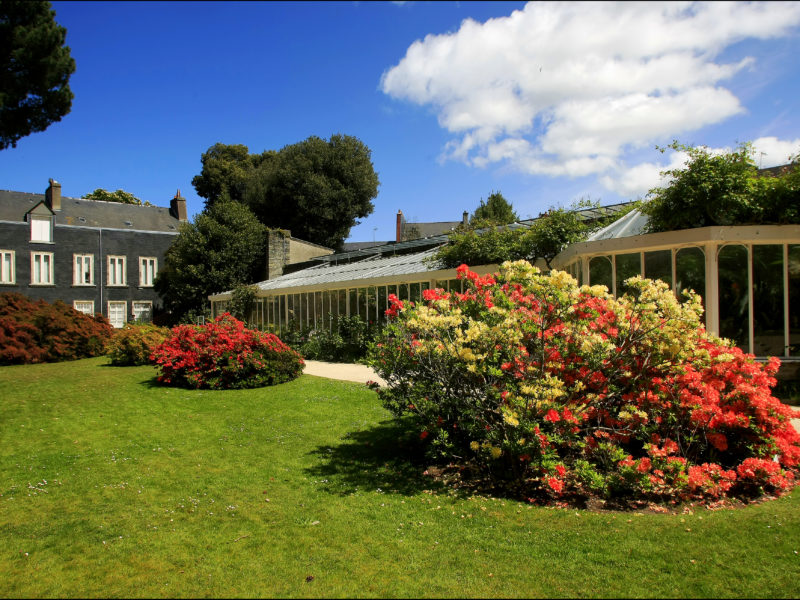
pixel 393 290
pixel 402 291
pixel 414 292
pixel 455 285
pixel 372 304
pixel 658 265
pixel 302 310
pixel 325 323
pixel 733 303
pixel 425 285
pixel 362 304
pixel 600 271
pixel 442 284
pixel 317 300
pixel 343 303
pixel 353 309
pixel 690 271
pixel 382 306
pixel 628 265
pixel 794 300
pixel 282 313
pixel 768 300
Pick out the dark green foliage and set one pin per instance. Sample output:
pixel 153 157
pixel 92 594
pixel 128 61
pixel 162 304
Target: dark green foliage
pixel 495 211
pixel 223 247
pixel 133 344
pixel 120 196
pixel 347 340
pixel 35 67
pixel 243 300
pixel 723 189
pixel 36 331
pixel 545 238
pixel 316 188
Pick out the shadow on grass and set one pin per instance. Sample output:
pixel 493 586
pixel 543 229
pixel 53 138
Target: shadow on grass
pixel 385 457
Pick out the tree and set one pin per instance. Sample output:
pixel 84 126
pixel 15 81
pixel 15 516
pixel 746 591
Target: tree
pixel 222 248
pixel 316 188
pixel 226 170
pixel 545 238
pixel 35 67
pixel 120 196
pixel 496 211
pixel 722 189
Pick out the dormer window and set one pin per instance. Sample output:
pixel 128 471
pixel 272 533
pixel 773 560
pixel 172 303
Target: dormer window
pixel 41 229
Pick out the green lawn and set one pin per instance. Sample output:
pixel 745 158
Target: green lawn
pixel 111 485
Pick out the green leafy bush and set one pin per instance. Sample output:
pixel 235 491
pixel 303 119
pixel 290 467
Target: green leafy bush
pixel 36 331
pixel 223 354
pixel 558 390
pixel 134 343
pixel 348 340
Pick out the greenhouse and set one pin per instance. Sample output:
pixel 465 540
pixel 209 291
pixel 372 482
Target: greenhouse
pixel 748 277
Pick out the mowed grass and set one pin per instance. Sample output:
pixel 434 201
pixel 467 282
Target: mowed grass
pixel 114 486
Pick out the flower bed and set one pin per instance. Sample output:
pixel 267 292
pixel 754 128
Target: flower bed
pixel 560 391
pixel 223 354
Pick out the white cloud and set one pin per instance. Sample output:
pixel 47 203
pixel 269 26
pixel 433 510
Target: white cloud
pixel 570 88
pixel 775 152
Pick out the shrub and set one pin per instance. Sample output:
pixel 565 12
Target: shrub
pixel 559 390
pixel 134 343
pixel 346 341
pixel 223 354
pixel 36 331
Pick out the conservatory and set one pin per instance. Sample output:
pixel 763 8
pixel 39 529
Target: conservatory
pixel 748 277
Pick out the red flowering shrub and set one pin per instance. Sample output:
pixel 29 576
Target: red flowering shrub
pixel 223 354
pixel 565 390
pixel 36 331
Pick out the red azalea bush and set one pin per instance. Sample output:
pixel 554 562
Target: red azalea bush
pixel 223 354
pixel 562 390
pixel 37 331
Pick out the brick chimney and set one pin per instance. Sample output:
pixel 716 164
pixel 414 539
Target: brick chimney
pixel 400 221
pixel 177 207
pixel 52 195
pixel 465 218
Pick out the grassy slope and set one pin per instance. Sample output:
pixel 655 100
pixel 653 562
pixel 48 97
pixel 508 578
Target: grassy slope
pixel 114 486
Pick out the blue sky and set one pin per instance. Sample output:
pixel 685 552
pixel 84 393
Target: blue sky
pixel 546 103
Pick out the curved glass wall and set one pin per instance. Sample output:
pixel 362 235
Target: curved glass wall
pixel 793 268
pixel 734 304
pixel 600 272
pixel 768 294
pixel 658 265
pixel 628 265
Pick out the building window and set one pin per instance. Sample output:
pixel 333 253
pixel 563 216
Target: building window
pixel 148 266
pixel 116 313
pixel 143 312
pixel 41 229
pixel 7 266
pixel 41 268
pixel 84 306
pixel 83 272
pixel 116 270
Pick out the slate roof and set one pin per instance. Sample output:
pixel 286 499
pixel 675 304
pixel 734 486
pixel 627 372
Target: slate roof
pixel 369 268
pixel 91 213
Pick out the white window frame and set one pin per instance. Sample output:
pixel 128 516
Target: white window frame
pixel 41 229
pixel 142 304
pixel 124 312
pixel 90 306
pixel 7 267
pixel 79 269
pixel 119 268
pixel 49 280
pixel 147 275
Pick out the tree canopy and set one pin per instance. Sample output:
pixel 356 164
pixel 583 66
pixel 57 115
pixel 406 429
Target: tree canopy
pixel 495 211
pixel 35 67
pixel 120 196
pixel 317 188
pixel 222 248
pixel 546 237
pixel 723 189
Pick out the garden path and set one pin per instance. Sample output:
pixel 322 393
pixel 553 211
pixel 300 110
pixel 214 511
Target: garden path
pixel 343 371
